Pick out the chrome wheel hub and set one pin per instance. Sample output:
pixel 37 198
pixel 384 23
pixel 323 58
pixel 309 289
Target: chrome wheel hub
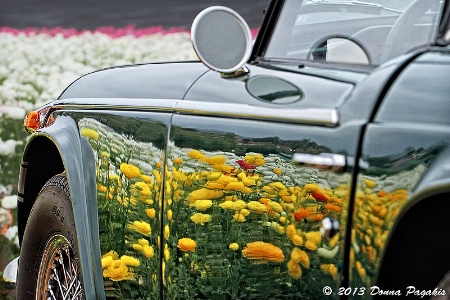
pixel 59 274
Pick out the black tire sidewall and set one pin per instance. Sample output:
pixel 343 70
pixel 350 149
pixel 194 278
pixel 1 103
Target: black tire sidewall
pixel 51 215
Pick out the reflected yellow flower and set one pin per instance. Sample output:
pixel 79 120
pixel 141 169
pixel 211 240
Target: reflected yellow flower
pixel 117 271
pixel 329 269
pixel 239 205
pixel 195 154
pixel 130 261
pixel 227 205
pixel 204 194
pixel 277 171
pixel 235 186
pixel 201 204
pixel 300 257
pixel 177 160
pixel 214 160
pixel 89 133
pixel 257 207
pixel 294 269
pixel 234 246
pixel 166 231
pixel 130 171
pixel 200 218
pixel 263 252
pixel 151 212
pixel 141 226
pixel 148 251
pixel 186 244
pixel 239 217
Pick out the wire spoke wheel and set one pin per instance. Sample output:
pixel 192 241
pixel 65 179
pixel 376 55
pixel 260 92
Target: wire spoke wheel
pixel 59 276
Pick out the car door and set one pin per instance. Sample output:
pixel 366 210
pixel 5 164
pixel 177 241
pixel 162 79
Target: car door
pixel 245 197
pixel 400 213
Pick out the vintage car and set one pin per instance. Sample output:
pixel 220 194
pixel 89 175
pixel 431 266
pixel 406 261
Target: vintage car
pixel 312 162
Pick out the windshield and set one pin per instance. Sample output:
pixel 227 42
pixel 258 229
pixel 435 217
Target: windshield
pixel 355 32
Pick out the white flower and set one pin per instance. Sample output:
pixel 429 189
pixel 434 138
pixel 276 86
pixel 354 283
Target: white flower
pixel 12 235
pixel 8 147
pixel 5 217
pixel 9 202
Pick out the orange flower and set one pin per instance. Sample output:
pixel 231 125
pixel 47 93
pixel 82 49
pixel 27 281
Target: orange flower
pixel 263 252
pixel 187 244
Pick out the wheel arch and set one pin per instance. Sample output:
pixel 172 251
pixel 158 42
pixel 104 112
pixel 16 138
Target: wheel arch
pixel 53 150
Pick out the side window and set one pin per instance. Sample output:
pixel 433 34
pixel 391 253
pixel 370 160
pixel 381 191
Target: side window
pixel 421 93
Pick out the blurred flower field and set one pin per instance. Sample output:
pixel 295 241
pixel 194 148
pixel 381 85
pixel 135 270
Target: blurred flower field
pixel 35 67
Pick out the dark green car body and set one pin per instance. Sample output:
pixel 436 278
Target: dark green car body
pixel 211 182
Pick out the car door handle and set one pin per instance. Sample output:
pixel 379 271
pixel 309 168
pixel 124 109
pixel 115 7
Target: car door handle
pixel 334 162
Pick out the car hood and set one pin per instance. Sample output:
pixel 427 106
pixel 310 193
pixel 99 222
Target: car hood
pixel 146 81
pixel 279 85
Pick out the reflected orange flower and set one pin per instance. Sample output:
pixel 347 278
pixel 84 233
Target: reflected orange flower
pixel 263 252
pixel 187 244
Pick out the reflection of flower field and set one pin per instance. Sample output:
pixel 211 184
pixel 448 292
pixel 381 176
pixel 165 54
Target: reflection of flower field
pixel 230 226
pixel 36 66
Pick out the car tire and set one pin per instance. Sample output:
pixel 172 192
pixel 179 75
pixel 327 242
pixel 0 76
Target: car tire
pixel 48 262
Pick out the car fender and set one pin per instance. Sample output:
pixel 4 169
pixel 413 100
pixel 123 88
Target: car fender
pixel 79 165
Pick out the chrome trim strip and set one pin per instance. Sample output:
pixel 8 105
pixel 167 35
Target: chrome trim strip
pixel 313 116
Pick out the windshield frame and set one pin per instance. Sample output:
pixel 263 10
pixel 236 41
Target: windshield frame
pixel 275 16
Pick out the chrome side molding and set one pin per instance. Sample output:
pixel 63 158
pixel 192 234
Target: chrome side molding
pixel 312 116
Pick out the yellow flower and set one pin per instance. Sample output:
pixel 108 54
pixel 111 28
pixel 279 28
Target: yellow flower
pixel 117 271
pixel 166 253
pixel 177 160
pixel 141 226
pixel 294 269
pixel 166 231
pixel 130 171
pixel 195 154
pixel 310 245
pixel 214 185
pixel 263 252
pixel 186 244
pixel 169 214
pixel 107 261
pixel 234 246
pixel 235 186
pixel 111 253
pixel 277 171
pixel 314 237
pixel 130 261
pixel 150 212
pixel 225 180
pixel 239 217
pixel 202 204
pixel 200 218
pixel 257 207
pixel 297 240
pixel 275 206
pixel 227 205
pixel 148 251
pixel 244 212
pixel 239 205
pixel 215 160
pixel 329 269
pixel 143 188
pixel 147 179
pixel 300 256
pixel 90 133
pixel 204 193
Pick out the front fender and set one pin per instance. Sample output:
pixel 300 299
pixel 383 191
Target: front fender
pixel 74 155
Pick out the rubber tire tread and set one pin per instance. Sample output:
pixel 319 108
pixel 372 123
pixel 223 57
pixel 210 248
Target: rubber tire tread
pixel 51 214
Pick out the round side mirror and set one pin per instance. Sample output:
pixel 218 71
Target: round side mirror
pixel 221 39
